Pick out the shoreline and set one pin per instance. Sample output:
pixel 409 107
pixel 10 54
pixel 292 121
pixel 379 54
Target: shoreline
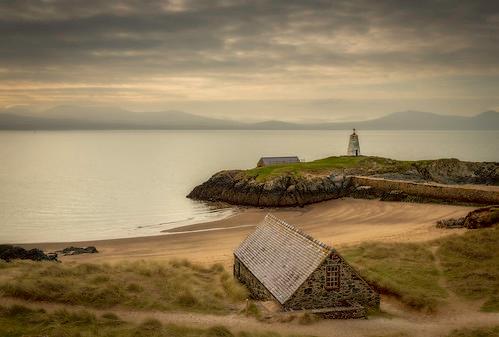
pixel 339 223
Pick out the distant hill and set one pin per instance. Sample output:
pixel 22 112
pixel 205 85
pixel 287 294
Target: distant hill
pixel 67 117
pixel 416 120
pixel 104 118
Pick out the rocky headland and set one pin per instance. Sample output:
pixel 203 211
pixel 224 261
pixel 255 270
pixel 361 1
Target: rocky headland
pixel 362 177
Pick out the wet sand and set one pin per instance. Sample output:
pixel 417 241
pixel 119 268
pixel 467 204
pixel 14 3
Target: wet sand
pixel 339 223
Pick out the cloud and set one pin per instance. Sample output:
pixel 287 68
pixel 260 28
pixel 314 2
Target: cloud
pixel 66 50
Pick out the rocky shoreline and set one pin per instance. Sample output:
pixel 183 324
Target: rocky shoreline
pixel 291 189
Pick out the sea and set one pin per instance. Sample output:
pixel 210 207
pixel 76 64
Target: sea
pixel 60 186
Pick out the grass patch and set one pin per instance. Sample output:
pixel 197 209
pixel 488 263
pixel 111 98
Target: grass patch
pixel 253 310
pixel 174 285
pixel 471 265
pixel 405 270
pixel 330 164
pixel 18 321
pixel 478 332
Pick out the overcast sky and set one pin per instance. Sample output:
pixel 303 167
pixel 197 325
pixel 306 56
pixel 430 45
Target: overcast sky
pixel 291 60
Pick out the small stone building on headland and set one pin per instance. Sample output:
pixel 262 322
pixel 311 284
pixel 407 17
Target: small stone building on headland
pixel 267 161
pixel 353 145
pixel 279 262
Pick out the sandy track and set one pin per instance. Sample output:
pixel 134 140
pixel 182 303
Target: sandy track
pixel 410 324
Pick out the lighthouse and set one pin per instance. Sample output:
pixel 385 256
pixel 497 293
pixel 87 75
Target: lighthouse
pixel 353 145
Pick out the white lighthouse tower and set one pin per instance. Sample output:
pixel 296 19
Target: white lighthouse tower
pixel 353 145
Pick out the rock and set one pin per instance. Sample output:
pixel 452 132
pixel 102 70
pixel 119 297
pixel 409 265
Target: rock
pixel 394 195
pixel 363 192
pixel 482 217
pixel 235 187
pixel 454 171
pixel 78 250
pixel 479 218
pixel 9 252
pixel 450 223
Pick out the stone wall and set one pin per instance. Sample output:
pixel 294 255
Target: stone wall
pixel 352 289
pixel 429 191
pixel 256 288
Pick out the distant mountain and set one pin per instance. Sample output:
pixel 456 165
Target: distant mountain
pixel 103 118
pixel 417 120
pixel 66 117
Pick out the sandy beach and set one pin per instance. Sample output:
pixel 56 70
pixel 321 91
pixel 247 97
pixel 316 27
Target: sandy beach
pixel 339 223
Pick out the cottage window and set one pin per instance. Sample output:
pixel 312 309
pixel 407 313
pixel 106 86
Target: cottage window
pixel 332 281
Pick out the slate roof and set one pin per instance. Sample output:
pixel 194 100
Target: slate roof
pixel 280 256
pixel 278 160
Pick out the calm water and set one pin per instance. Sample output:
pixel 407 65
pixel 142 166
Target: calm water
pixel 61 186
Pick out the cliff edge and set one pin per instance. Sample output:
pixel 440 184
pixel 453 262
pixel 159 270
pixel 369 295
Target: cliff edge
pixel 334 177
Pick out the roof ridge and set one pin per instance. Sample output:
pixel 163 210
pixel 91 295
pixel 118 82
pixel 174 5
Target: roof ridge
pixel 297 230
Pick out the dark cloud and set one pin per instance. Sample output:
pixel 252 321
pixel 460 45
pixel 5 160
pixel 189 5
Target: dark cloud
pixel 245 44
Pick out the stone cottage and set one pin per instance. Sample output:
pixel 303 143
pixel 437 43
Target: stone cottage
pixel 268 161
pixel 279 262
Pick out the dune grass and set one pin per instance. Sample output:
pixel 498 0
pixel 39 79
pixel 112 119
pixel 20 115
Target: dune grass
pixel 471 265
pixel 174 285
pixel 327 165
pixel 469 262
pixel 404 270
pixel 18 321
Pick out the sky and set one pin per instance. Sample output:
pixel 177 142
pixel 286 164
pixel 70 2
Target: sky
pixel 253 60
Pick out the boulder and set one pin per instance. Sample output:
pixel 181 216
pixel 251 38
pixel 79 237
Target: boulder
pixel 479 218
pixel 482 217
pixel 9 253
pixel 450 223
pixel 78 250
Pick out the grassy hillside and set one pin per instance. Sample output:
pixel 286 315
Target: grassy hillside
pixel 176 285
pixel 471 265
pixel 404 270
pixel 327 165
pixel 409 271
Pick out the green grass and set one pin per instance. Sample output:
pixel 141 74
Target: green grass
pixel 471 265
pixel 477 332
pixel 331 164
pixel 18 321
pixel 404 270
pixel 175 285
